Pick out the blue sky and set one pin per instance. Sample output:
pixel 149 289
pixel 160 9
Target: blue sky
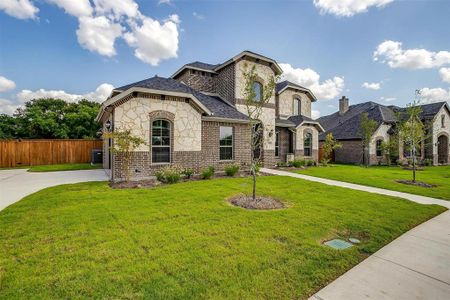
pixel 74 49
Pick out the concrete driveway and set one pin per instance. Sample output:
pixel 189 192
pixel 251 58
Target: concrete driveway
pixel 18 183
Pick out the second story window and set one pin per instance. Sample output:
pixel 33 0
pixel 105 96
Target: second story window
pixel 297 107
pixel 257 88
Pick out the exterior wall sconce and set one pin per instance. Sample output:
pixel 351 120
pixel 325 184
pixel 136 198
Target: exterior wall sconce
pixel 108 125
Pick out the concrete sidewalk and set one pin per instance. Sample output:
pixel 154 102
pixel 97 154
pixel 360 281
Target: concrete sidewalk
pixel 18 183
pixel 414 266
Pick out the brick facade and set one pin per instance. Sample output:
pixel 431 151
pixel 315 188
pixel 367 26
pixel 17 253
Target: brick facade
pixel 225 83
pixel 141 166
pixel 199 80
pixel 349 153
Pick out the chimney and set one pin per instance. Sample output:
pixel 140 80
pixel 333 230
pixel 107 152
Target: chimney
pixel 343 105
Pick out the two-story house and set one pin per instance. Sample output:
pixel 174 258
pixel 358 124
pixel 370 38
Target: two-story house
pixel 197 118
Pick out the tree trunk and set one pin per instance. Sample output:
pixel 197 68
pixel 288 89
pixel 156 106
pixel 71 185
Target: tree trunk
pixel 414 163
pixel 254 184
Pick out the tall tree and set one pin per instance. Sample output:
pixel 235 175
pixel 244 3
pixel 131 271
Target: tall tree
pixel 367 129
pixel 256 95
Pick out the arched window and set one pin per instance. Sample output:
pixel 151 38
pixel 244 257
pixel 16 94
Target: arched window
pixel 379 148
pixel 297 106
pixel 307 144
pixel 257 88
pixel 161 141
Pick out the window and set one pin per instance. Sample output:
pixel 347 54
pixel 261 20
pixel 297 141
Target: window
pixel 226 143
pixel 277 143
pixel 443 121
pixel 379 148
pixel 297 107
pixel 160 141
pixel 307 144
pixel 257 88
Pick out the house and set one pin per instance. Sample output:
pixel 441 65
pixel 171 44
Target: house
pixel 197 118
pixel 345 126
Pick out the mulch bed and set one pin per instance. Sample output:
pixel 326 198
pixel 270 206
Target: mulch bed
pixel 417 183
pixel 260 203
pixel 151 183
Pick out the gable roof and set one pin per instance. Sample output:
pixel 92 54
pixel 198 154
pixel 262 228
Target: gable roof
pixel 214 105
pixel 235 58
pixel 347 126
pixel 428 110
pixel 281 86
pixel 196 65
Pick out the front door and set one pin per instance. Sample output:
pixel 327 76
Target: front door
pixel 443 149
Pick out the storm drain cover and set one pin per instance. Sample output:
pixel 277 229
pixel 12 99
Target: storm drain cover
pixel 338 244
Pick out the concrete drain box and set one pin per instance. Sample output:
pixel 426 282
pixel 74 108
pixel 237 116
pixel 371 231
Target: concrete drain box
pixel 338 244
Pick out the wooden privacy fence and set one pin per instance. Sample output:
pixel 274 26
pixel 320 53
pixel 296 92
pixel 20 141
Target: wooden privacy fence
pixel 15 153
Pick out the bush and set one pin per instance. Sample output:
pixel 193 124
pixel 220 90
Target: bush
pixel 231 170
pixel 169 174
pixel 310 162
pixel 282 164
pixel 298 163
pixel 208 172
pixel 427 162
pixel 188 173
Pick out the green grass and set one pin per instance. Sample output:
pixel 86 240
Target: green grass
pixel 385 177
pixel 185 241
pixel 64 167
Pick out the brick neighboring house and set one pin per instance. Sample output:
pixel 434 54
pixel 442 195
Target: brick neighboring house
pixel 345 126
pixel 197 118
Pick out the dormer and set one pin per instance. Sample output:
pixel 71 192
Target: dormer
pixel 198 75
pixel 293 99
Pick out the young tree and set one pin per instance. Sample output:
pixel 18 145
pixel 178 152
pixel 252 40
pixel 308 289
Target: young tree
pixel 255 100
pixel 124 144
pixel 328 146
pixel 412 132
pixel 367 129
pixel 390 149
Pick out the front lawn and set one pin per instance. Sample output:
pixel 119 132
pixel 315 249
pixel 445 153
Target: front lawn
pixel 64 167
pixel 385 177
pixel 184 241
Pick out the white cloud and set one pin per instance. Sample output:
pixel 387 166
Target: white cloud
pixel 432 95
pixel 99 95
pixel 371 86
pixel 78 8
pixel 445 74
pixel 309 78
pixel 315 114
pixel 153 40
pixel 98 34
pixel 168 2
pixel 348 8
pixel 7 107
pixel 6 84
pixel 388 99
pixel 198 16
pixel 392 53
pixel 21 9
pixel 117 8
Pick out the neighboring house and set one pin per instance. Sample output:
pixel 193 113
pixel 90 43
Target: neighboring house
pixel 197 118
pixel 346 123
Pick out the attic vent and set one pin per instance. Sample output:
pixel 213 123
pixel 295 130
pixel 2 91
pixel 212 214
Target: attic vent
pixel 134 94
pixel 163 97
pixel 186 100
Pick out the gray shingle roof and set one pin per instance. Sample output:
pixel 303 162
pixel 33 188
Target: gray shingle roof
pixel 218 107
pixel 283 84
pixel 284 123
pixel 299 119
pixel 201 65
pixel 347 126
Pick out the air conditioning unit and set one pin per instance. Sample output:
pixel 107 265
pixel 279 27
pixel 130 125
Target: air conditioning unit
pixel 96 156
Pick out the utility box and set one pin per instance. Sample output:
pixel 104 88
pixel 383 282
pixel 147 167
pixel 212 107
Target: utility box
pixel 96 156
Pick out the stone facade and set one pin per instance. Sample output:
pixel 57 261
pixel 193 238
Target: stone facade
pixel 440 129
pixel 286 103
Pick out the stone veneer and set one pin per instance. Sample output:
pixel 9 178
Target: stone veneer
pixel 187 125
pixel 286 103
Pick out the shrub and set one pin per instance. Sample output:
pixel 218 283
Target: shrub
pixel 298 163
pixel 208 172
pixel 231 170
pixel 427 162
pixel 310 162
pixel 188 173
pixel 169 174
pixel 282 164
pixel 257 168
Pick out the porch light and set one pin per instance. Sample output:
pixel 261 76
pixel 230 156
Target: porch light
pixel 108 125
